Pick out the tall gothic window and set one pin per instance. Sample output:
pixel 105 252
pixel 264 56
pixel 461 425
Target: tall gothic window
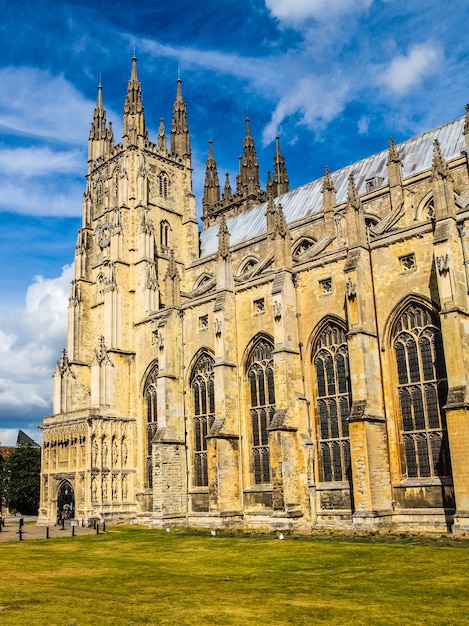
pixel 164 231
pixel 330 358
pixel 163 185
pixel 151 406
pixel 422 389
pixel 260 373
pixel 204 414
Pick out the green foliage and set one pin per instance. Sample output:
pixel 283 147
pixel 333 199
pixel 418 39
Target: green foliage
pixel 21 479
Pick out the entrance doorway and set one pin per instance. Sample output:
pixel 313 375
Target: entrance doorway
pixel 65 501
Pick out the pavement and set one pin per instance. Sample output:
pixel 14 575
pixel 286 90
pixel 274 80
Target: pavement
pixel 31 530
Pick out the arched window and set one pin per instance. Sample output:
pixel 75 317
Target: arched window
pixel 203 396
pixel 422 389
pixel 163 182
pixel 151 406
pixel 333 402
pixel 100 192
pixel 304 244
pixel 164 231
pixel 260 374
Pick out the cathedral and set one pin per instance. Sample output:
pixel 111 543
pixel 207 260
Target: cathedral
pixel 299 361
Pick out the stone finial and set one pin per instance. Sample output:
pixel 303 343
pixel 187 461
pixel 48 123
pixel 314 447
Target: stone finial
pixel 172 271
pixel 353 199
pixel 439 166
pixel 327 184
pixel 393 155
pixel 223 240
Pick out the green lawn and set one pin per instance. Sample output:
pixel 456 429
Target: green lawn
pixel 132 576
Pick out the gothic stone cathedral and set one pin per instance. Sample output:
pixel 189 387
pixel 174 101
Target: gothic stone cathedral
pixel 301 362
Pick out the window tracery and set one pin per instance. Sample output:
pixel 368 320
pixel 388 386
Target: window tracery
pixel 260 374
pixel 151 404
pixel 330 358
pixel 203 395
pixel 422 389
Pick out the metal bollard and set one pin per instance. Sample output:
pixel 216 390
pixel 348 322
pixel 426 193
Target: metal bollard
pixel 47 532
pixel 104 527
pixel 73 531
pixel 20 533
pixel 62 521
pixel 97 528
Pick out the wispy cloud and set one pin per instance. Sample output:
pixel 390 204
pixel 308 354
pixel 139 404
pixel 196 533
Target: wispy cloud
pixel 321 10
pixel 405 71
pixel 30 340
pixel 40 161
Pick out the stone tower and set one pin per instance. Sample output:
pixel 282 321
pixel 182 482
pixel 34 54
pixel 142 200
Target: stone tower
pixel 139 227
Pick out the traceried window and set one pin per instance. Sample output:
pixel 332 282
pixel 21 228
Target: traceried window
pixel 164 232
pixel 260 374
pixel 422 389
pixel 330 359
pixel 163 182
pixel 150 395
pixel 203 396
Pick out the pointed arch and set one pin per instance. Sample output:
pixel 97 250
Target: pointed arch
pixel 260 377
pixel 203 400
pixel 247 264
pixel 150 396
pixel 329 357
pixel 421 389
pixel 165 228
pixel 163 184
pixel 303 244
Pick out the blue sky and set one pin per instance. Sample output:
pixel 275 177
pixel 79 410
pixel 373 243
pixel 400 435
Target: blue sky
pixel 334 78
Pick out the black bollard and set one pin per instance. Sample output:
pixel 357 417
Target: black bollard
pixel 62 521
pixel 104 527
pixel 21 522
pixel 47 532
pixel 20 533
pixel 97 528
pixel 73 531
pixel 1 524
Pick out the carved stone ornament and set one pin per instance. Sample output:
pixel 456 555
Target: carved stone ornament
pixel 63 365
pixel 277 310
pixel 351 289
pixel 218 327
pixel 160 342
pixel 100 353
pixel 442 263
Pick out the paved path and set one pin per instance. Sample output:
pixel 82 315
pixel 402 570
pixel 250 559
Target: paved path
pixel 33 531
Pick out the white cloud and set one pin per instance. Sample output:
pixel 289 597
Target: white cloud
pixel 363 124
pixel 41 196
pixel 31 340
pixel 405 71
pixel 9 436
pixel 35 102
pixel 322 10
pixel 317 100
pixel 38 161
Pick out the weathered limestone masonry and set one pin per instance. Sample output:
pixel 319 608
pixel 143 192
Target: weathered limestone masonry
pixel 302 361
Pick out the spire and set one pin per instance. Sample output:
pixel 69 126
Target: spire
pixel 162 137
pixel 439 165
pixel 180 138
pixel 134 119
pixel 355 217
pixel 281 182
pixel 99 134
pixel 395 175
pixel 227 193
pixel 328 201
pixel 248 180
pixel 212 185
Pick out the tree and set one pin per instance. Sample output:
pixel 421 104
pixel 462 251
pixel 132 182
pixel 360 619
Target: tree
pixel 21 479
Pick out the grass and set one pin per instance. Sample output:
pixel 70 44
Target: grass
pixel 132 576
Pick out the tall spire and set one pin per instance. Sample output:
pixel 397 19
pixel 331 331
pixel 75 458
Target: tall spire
pixel 134 119
pixel 281 182
pixel 99 134
pixel 212 185
pixel 180 138
pixel 439 166
pixel 248 179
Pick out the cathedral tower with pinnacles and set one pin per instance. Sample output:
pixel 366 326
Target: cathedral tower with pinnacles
pixel 300 362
